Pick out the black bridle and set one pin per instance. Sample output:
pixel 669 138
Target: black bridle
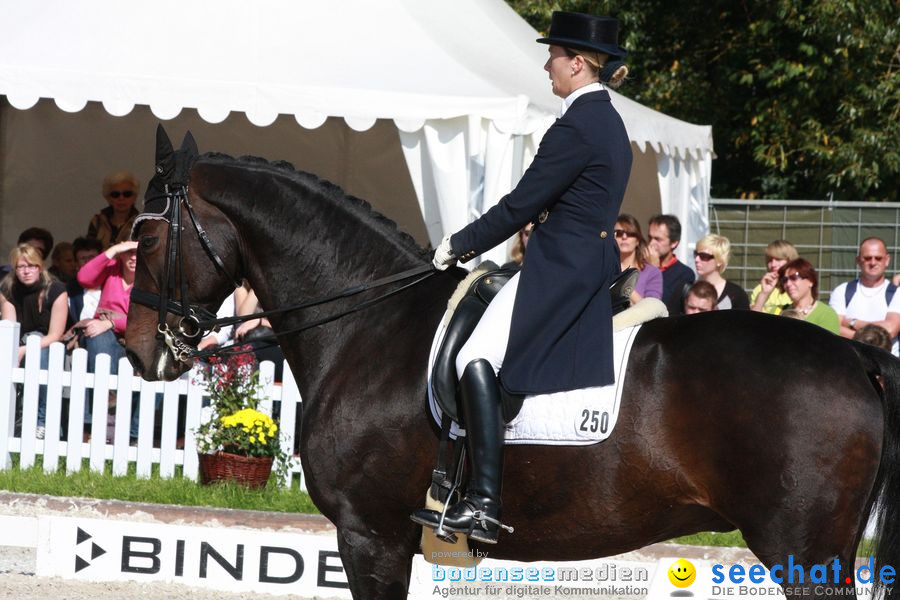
pixel 195 321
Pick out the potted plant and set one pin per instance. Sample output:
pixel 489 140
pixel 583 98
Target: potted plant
pixel 235 441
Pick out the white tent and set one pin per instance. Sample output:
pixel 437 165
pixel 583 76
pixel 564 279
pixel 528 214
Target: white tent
pixel 404 103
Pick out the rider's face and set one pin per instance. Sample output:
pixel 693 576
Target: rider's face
pixel 559 66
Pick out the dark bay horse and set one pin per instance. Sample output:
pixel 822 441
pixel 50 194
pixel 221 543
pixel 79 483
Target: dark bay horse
pixel 729 419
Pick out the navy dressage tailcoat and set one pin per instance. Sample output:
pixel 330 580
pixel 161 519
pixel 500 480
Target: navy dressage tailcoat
pixel 561 333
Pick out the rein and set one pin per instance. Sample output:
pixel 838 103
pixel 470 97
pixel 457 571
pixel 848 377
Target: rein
pixel 425 271
pixel 196 321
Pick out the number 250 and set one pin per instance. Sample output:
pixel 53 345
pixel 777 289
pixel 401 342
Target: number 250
pixel 596 421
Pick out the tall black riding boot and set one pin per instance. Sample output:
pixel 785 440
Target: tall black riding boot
pixel 478 513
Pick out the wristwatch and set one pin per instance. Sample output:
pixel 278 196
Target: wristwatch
pixel 852 324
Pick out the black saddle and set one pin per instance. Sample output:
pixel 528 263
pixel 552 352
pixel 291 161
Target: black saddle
pixel 444 381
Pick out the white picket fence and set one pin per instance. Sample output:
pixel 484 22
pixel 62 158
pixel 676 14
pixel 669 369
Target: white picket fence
pixel 79 387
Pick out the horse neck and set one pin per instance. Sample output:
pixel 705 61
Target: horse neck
pixel 371 364
pixel 319 256
pixel 281 275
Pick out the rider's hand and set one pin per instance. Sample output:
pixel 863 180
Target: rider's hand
pixel 443 255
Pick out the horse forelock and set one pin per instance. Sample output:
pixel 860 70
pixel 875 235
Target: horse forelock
pixel 304 184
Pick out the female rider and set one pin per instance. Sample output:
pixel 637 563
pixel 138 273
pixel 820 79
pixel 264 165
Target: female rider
pixel 550 328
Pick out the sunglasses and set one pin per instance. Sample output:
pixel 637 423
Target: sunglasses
pixel 624 235
pixel 704 256
pixel 125 194
pixel 875 258
pixel 792 277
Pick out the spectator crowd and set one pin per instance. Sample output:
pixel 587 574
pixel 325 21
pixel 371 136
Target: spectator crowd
pixel 866 308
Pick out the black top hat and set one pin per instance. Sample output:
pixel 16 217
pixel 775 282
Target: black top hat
pixel 585 32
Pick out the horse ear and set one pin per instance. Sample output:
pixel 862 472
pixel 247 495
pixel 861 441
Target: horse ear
pixel 188 144
pixel 163 144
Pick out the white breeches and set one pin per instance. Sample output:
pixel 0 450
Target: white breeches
pixel 491 335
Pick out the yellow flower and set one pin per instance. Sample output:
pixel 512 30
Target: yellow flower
pixel 252 440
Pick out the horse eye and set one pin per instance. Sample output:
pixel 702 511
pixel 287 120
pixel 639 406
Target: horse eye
pixel 148 242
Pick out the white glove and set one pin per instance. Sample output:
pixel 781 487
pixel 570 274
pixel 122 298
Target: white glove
pixel 443 256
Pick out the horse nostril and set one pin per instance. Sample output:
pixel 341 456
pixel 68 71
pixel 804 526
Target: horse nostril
pixel 136 362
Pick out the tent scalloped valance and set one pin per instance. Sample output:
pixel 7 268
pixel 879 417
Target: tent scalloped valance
pixel 312 119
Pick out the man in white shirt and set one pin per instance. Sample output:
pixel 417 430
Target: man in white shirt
pixel 871 298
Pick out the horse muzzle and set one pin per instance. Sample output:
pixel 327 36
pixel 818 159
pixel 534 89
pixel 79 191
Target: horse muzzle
pixel 158 364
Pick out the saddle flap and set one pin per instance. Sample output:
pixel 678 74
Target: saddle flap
pixel 481 289
pixel 444 382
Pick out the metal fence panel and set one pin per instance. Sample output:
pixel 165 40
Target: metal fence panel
pixel 827 234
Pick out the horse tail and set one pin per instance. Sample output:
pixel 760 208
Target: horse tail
pixel 884 372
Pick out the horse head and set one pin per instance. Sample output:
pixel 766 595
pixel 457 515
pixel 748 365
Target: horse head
pixel 174 268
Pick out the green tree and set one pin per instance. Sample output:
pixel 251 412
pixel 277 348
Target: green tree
pixel 803 95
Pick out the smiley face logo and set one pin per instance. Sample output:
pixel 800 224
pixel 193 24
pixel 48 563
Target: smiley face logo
pixel 682 573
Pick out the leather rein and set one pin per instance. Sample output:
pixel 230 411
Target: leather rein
pixel 196 322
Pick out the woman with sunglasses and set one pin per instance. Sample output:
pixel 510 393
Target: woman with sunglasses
pixel 710 261
pixel 799 280
pixel 113 223
pixel 633 254
pixel 39 303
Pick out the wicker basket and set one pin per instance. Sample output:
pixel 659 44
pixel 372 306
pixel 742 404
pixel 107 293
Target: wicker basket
pixel 251 471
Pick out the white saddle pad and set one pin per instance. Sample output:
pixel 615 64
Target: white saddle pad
pixel 575 418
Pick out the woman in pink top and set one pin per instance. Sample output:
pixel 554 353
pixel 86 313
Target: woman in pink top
pixel 113 272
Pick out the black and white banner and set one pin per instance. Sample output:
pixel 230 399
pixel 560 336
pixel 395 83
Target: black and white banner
pixel 219 558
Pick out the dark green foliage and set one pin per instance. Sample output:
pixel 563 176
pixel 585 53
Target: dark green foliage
pixel 803 95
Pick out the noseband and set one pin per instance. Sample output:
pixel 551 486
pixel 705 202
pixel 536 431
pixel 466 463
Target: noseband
pixel 189 324
pixel 196 321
